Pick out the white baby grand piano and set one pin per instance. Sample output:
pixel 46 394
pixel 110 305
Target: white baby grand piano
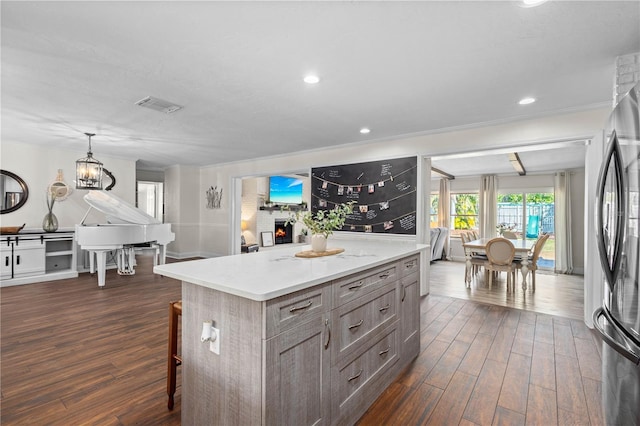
pixel 126 226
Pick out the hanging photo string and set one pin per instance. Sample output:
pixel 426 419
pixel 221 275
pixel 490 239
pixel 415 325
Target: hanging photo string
pixel 379 182
pixel 387 224
pixel 383 205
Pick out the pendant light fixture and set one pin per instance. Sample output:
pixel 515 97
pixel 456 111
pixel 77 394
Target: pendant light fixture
pixel 88 170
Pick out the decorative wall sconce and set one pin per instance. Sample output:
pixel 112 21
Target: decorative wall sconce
pixel 88 170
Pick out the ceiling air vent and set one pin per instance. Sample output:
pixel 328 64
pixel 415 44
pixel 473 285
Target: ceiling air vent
pixel 158 105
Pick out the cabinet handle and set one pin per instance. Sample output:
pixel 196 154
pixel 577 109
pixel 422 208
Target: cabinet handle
pixel 384 275
pixel 297 308
pixel 326 325
pixel 410 265
pixel 385 351
pixel 358 324
pixel 17 259
pixel 355 377
pixel 6 261
pixel 404 293
pixel 384 308
pixel 356 286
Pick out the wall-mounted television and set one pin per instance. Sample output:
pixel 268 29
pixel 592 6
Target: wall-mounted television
pixel 285 190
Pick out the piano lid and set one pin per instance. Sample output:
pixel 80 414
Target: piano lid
pixel 117 209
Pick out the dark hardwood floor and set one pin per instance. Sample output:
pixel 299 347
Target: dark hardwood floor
pixel 486 364
pixel 73 354
pixel 488 357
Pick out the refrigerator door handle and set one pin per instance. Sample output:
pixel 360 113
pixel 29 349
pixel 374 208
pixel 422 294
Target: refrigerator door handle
pixel 625 350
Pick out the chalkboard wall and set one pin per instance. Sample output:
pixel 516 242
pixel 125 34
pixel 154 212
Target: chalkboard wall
pixel 384 192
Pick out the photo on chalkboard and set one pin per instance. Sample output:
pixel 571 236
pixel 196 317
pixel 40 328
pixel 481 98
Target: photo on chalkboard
pixel 388 225
pixel 340 189
pixel 368 228
pixel 384 205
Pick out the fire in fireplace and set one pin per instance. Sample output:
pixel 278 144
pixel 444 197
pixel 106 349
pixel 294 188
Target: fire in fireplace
pixel 283 232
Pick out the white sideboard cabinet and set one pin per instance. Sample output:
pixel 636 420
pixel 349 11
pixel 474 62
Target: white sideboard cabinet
pixel 30 257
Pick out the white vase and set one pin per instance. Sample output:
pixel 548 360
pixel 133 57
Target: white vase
pixel 318 243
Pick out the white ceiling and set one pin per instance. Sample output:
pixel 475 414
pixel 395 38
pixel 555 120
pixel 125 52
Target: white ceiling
pixel 399 68
pixel 539 158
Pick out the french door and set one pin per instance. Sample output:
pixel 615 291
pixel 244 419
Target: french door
pixel 530 214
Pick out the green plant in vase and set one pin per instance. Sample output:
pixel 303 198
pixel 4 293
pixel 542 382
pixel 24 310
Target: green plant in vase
pixel 323 223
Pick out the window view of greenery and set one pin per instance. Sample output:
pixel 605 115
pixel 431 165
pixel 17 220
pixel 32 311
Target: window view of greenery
pixel 526 214
pixel 464 212
pixel 531 213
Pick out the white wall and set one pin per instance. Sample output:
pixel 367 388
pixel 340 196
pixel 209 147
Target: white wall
pixel 38 166
pixel 182 210
pixel 522 133
pixel 205 232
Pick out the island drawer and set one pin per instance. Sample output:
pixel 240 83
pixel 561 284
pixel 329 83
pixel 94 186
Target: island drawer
pixel 356 321
pixel 354 379
pixel 285 312
pixel 409 265
pixel 356 285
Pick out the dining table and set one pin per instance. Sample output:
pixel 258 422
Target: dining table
pixel 522 249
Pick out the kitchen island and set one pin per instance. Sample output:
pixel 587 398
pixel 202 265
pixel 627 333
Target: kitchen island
pixel 301 341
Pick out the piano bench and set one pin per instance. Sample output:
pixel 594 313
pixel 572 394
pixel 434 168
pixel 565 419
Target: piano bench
pixel 149 247
pixel 174 360
pixel 249 248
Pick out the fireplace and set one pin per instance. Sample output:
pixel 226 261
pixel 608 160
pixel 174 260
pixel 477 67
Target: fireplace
pixel 283 232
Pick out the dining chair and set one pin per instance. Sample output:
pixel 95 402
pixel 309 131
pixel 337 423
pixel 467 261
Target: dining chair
pixel 532 259
pixel 500 253
pixel 477 260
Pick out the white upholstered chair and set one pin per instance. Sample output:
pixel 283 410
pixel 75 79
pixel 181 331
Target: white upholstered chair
pixel 533 259
pixel 500 253
pixel 477 260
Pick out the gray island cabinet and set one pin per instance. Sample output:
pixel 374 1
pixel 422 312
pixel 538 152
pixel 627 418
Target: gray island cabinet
pixel 303 341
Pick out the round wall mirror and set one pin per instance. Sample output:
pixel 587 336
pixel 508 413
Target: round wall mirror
pixel 14 192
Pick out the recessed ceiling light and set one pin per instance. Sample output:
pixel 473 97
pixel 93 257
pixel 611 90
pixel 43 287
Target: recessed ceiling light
pixel 527 101
pixel 364 130
pixel 311 79
pixel 532 3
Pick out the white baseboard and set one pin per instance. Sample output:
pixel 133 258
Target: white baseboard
pixel 187 255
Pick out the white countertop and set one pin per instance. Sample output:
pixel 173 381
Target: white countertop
pixel 268 274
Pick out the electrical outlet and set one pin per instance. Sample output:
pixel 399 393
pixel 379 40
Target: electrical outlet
pixel 214 344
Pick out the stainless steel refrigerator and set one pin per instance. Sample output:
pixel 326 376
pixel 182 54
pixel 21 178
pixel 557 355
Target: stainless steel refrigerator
pixel 617 229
